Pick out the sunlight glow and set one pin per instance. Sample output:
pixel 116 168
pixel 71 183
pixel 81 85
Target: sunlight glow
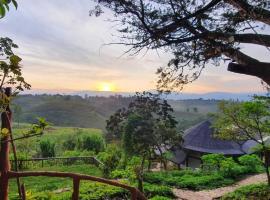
pixel 106 87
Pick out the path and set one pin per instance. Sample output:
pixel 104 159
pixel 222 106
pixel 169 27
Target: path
pixel 211 194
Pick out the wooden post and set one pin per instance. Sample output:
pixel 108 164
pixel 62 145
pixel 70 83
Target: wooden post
pixel 4 151
pixel 134 194
pixel 76 189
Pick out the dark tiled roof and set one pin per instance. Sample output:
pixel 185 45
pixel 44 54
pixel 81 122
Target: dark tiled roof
pixel 200 138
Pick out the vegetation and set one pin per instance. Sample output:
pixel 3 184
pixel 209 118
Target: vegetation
pixel 146 125
pixel 249 192
pixel 217 171
pixel 92 112
pixel 246 121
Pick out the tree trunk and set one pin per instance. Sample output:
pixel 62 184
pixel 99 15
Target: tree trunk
pixel 4 159
pixel 4 151
pixel 140 175
pixel 266 164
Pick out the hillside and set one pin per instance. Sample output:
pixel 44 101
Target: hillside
pixel 92 112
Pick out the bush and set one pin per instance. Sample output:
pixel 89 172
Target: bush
pixel 160 198
pixel 47 148
pixel 252 163
pixel 202 182
pixel 249 192
pixel 229 168
pixel 70 143
pixel 211 162
pixel 99 191
pixel 195 180
pixel 110 158
pixel 93 142
pixel 151 190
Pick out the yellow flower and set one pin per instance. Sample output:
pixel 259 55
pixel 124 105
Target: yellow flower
pixel 4 132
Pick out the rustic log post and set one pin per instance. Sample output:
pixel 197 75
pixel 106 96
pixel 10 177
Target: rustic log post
pixel 4 151
pixel 134 194
pixel 76 188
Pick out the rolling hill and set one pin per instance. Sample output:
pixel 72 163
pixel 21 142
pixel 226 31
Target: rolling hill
pixel 92 112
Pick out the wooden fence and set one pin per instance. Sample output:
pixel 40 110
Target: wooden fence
pixel 135 193
pixel 42 162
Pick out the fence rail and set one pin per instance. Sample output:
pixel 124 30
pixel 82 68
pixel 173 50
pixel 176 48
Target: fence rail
pixel 41 162
pixel 135 193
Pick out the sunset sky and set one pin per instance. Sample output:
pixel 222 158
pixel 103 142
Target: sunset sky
pixel 62 49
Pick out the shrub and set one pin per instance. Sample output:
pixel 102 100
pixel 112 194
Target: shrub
pixel 160 198
pixel 249 192
pixel 110 158
pixel 212 161
pixel 195 180
pixel 252 163
pixel 70 143
pixel 151 190
pixel 47 148
pixel 229 168
pixel 99 191
pixel 93 142
pixel 202 182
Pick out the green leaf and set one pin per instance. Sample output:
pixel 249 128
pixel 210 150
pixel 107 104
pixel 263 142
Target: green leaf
pixel 2 11
pixel 15 59
pixel 15 4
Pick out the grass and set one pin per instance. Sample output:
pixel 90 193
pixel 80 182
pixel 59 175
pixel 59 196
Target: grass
pixel 41 184
pixel 58 135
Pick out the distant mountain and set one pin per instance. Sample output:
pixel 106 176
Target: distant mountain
pixel 172 96
pixel 82 110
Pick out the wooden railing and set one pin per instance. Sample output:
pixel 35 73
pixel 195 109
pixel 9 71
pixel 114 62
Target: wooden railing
pixel 25 163
pixel 135 193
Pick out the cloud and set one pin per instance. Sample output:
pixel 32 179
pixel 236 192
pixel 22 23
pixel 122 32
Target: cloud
pixel 63 48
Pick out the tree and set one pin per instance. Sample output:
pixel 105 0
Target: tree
pixel 242 121
pixel 145 126
pixel 196 32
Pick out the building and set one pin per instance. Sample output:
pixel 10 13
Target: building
pixel 199 140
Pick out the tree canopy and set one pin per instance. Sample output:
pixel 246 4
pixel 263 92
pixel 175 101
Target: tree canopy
pixel 196 32
pixel 241 121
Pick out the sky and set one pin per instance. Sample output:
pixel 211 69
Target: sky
pixel 63 49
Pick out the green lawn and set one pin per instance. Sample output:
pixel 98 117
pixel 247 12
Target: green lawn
pixel 41 184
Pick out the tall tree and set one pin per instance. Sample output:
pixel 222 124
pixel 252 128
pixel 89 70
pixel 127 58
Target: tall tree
pixel 145 126
pixel 246 121
pixel 197 32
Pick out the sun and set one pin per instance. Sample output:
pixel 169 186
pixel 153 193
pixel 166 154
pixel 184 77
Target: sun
pixel 106 87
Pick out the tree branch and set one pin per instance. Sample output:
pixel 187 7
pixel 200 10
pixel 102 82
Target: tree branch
pixel 251 11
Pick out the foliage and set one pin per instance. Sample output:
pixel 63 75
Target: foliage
pixel 245 121
pixel 151 190
pixel 94 111
pixel 249 192
pixel 93 142
pixel 228 167
pixel 110 158
pixel 47 148
pixel 146 125
pixel 43 186
pixel 160 198
pixel 4 6
pixel 212 162
pixel 100 191
pixel 252 163
pixel 195 180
